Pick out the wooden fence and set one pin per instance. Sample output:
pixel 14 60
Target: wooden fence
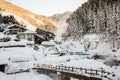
pixel 12 46
pixel 78 71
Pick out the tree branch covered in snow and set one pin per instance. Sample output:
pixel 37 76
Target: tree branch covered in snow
pixel 95 16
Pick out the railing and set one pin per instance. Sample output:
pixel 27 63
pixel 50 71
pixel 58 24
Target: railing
pixel 9 46
pixel 79 71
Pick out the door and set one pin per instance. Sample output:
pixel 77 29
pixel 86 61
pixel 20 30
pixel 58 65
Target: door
pixel 2 68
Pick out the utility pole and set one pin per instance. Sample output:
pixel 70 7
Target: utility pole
pixel 113 41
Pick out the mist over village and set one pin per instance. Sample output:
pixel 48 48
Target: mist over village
pixel 60 40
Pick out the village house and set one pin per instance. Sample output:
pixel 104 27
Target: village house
pixel 37 37
pixel 2 67
pixel 3 63
pixel 21 32
pixel 27 35
pixel 43 36
pixel 14 29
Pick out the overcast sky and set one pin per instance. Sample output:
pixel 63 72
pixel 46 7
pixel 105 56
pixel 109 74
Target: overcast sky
pixel 48 7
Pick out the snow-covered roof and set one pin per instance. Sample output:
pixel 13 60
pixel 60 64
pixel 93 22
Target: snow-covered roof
pixel 29 31
pixel 9 26
pixel 3 59
pixel 41 36
pixel 48 43
pixel 17 54
pixel 5 30
pixel 9 30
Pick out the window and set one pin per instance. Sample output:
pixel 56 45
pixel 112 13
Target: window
pixel 22 36
pixel 29 37
pixel 14 31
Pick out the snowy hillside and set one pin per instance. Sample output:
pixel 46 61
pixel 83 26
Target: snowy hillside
pixel 95 16
pixel 56 52
pixel 27 18
pixel 98 55
pixel 27 55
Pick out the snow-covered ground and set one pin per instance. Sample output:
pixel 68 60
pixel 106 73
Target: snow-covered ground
pixel 24 76
pixel 99 54
pixel 90 53
pixel 20 59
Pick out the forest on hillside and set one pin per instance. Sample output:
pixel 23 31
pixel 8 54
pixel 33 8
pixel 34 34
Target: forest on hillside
pixel 7 19
pixel 95 16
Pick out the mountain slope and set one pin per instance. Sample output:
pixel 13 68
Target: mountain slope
pixel 95 16
pixel 27 18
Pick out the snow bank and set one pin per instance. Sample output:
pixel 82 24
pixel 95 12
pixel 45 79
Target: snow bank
pixel 91 37
pixel 24 76
pixel 102 49
pixel 73 46
pixel 41 77
pixel 2 35
pixel 17 67
pixel 4 58
pixel 52 47
pixel 89 64
pixel 48 43
pixel 10 43
pixel 22 57
pixel 3 76
pixel 53 60
pixel 17 54
pixel 90 41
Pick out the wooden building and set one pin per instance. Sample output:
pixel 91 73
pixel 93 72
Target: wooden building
pixel 27 35
pixel 43 36
pixel 37 36
pixel 14 29
pixel 2 67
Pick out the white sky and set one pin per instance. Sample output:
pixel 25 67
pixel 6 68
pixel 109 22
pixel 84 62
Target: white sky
pixel 48 7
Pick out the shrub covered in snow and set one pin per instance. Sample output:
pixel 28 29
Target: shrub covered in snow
pixel 90 41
